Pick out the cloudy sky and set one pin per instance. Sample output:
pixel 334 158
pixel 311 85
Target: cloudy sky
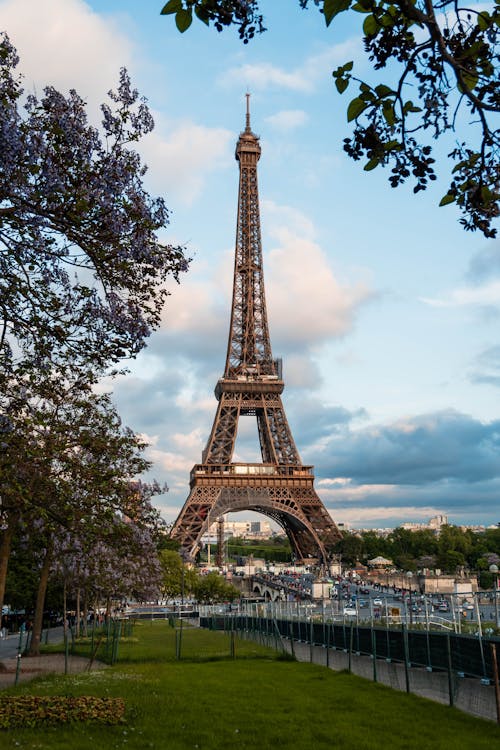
pixel 385 311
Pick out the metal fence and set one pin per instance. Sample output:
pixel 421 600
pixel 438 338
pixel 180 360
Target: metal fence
pixel 465 655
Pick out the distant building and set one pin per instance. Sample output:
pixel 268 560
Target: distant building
pixel 433 524
pixel 242 529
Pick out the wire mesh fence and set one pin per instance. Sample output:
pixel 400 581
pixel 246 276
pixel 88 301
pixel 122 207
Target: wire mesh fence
pixel 448 667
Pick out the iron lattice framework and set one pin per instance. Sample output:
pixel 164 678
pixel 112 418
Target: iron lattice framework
pixel 280 487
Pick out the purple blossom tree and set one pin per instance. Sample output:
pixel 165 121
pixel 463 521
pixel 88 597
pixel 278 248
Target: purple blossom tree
pixel 82 272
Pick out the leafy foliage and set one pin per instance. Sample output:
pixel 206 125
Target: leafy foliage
pixel 81 269
pixel 212 588
pixel 454 547
pixel 443 57
pixel 244 13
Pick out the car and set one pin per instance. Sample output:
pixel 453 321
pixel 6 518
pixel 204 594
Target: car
pixel 349 611
pixel 362 603
pixel 377 602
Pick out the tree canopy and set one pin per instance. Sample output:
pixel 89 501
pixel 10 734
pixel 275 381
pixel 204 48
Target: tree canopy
pixel 441 59
pixel 82 272
pixel 82 286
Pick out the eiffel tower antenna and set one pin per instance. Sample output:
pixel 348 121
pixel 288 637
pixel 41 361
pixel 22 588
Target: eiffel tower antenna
pixel 280 486
pixel 248 129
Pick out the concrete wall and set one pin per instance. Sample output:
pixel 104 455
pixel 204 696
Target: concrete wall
pixel 468 695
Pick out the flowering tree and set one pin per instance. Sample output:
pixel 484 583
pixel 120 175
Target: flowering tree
pixel 442 58
pixel 68 464
pixel 82 271
pixel 111 562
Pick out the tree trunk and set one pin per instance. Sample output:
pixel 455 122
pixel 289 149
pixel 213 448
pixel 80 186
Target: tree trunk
pixel 65 610
pixel 85 613
pixel 5 546
pixel 78 613
pixel 36 634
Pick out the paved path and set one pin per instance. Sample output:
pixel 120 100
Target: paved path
pixel 34 666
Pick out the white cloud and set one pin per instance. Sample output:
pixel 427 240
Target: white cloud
pixel 193 307
pixel 288 119
pixel 263 75
pixel 383 517
pixel 66 44
pixel 276 215
pixel 304 78
pixel 487 295
pixel 180 155
pixel 307 302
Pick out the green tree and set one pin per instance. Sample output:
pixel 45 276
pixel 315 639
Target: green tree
pixel 177 578
pixel 440 62
pixel 350 547
pixel 450 560
pixel 212 588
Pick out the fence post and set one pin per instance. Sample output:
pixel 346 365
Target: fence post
pixel 351 636
pixel 374 655
pixel 407 656
pixel 495 678
pixel 311 630
pixel 450 674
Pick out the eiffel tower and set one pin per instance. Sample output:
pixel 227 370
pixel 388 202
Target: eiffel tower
pixel 280 487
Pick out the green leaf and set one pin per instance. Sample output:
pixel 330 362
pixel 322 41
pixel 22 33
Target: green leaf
pixel 484 20
pixel 173 6
pixel 360 8
pixel 410 107
pixel 370 26
pixel 470 81
pixel 371 165
pixel 332 7
pixel 183 19
pixel 201 13
pixel 355 108
pixel 383 90
pixel 341 84
pixel 392 146
pixel 388 112
pixel 448 198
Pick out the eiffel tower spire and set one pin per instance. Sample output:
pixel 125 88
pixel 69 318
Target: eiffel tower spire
pixel 279 487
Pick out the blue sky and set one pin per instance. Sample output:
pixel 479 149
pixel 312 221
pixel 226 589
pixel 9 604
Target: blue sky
pixel 384 310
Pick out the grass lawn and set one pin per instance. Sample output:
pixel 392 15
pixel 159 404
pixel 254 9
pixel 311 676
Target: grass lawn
pixel 208 701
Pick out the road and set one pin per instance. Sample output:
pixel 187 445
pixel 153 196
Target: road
pixel 12 645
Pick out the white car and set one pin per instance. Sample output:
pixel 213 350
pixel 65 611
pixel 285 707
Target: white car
pixel 349 611
pixel 377 602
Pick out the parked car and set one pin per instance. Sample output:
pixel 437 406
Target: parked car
pixel 377 602
pixel 349 611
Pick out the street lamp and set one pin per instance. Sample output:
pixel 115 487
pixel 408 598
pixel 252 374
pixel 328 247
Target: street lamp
pixel 494 570
pixel 409 576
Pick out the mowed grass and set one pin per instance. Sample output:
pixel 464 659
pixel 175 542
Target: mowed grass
pixel 208 701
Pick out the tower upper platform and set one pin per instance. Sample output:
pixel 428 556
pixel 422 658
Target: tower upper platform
pixel 248 142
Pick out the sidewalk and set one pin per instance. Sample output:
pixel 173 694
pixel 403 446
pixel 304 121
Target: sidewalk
pixel 35 666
